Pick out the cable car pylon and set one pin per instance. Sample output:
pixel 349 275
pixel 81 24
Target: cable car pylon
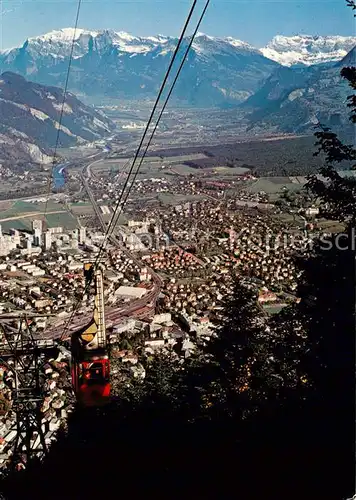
pixel 24 357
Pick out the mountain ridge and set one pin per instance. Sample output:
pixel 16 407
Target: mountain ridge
pixel 29 120
pixel 217 71
pixel 286 50
pixel 296 99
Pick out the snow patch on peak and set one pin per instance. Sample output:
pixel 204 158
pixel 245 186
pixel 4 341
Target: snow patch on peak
pixel 239 43
pixel 57 43
pixel 5 52
pixel 308 49
pixel 65 34
pixel 157 39
pixel 39 114
pixel 205 45
pixel 126 36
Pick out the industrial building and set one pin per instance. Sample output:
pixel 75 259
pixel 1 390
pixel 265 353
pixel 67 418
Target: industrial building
pixel 130 291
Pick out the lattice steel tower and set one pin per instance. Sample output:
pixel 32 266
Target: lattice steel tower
pixel 23 355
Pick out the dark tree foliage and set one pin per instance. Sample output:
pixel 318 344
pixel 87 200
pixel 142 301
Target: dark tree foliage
pixel 350 75
pixel 327 290
pixel 239 345
pixel 163 377
pixel 327 314
pixel 253 358
pixel 336 192
pixel 321 409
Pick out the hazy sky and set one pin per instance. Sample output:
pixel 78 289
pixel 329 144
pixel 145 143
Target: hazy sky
pixel 255 21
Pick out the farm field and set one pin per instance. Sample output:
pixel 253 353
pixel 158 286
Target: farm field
pixel 20 224
pixel 173 199
pixel 73 153
pixel 268 157
pixel 20 214
pixel 18 208
pixel 83 209
pixel 331 226
pixel 79 209
pixel 66 220
pixel 150 163
pixel 273 185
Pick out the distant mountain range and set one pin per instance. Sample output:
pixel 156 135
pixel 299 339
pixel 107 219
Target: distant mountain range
pixel 296 99
pixel 29 120
pixel 219 71
pixel 287 86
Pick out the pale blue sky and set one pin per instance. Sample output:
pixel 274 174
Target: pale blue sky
pixel 255 21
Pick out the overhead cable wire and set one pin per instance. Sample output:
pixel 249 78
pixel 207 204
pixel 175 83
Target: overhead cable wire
pixel 180 41
pixel 186 24
pixel 119 205
pixel 165 104
pixel 50 177
pixel 113 218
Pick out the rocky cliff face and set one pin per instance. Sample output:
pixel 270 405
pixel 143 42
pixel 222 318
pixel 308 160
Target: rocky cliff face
pixel 296 99
pixel 30 115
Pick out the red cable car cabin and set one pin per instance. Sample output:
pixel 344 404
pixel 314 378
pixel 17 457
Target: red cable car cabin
pixel 91 379
pixel 90 360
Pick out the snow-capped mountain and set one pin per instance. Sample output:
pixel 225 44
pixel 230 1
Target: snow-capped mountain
pixel 308 50
pixel 218 70
pixel 57 44
pixel 29 120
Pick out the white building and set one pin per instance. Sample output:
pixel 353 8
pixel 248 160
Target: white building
pixel 310 212
pixel 162 318
pixel 55 230
pixel 38 272
pixel 37 225
pixel 74 266
pixel 105 209
pixel 133 242
pixel 134 223
pixel 37 238
pixel 130 291
pixel 47 243
pixel 125 326
pixel 82 235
